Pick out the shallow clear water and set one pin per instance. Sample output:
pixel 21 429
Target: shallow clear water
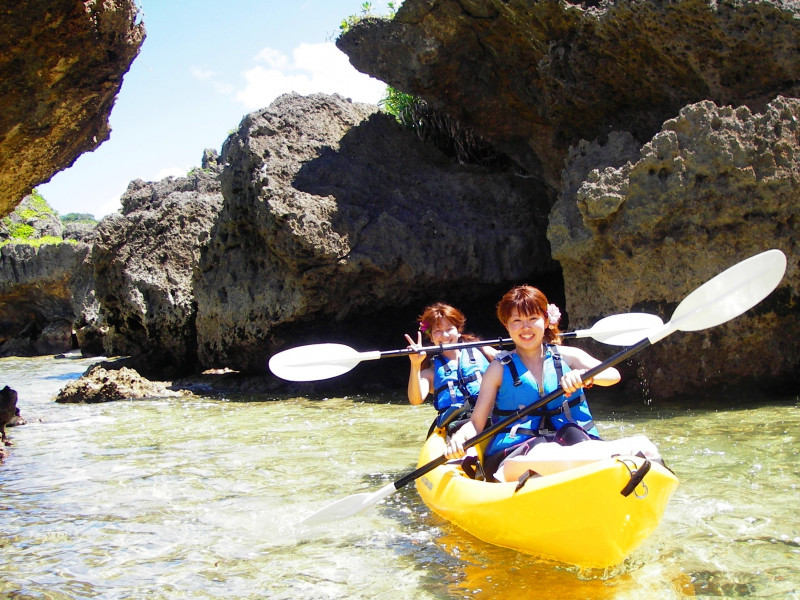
pixel 201 498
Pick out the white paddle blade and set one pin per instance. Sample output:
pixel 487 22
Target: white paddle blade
pixel 347 507
pixel 622 330
pixel 311 363
pixel 731 293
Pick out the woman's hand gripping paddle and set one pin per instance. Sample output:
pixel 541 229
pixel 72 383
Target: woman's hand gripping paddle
pixel 717 301
pixel 323 361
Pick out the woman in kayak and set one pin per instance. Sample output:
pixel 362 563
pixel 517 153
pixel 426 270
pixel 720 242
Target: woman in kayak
pixel 454 376
pixel 537 367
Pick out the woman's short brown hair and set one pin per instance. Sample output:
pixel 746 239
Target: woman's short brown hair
pixel 530 301
pixel 440 310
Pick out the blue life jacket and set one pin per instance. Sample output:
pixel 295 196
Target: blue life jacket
pixel 519 389
pixel 457 381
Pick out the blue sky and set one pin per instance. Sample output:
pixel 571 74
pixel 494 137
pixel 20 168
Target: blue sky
pixel 204 65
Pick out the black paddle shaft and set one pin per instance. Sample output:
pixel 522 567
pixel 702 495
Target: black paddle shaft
pixel 445 347
pixel 459 345
pixel 523 412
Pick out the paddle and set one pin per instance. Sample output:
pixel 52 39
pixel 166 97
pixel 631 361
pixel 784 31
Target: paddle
pixel 323 361
pixel 720 299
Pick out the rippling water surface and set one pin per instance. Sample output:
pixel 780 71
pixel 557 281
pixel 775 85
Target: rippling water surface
pixel 200 498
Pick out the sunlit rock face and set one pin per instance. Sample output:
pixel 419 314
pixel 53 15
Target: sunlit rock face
pixel 61 67
pixel 537 77
pixel 668 133
pixel 39 297
pixel 143 260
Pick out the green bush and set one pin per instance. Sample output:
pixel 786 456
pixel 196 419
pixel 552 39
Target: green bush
pixel 366 11
pixel 20 231
pixel 78 218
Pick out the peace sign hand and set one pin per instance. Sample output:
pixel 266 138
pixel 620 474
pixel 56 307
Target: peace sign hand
pixel 416 357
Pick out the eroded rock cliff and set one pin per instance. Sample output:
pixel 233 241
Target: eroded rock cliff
pixel 336 218
pixel 715 185
pixel 40 297
pixel 143 258
pixel 61 67
pixel 537 77
pixel 668 131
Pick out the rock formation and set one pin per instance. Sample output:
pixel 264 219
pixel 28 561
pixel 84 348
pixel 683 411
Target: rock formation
pixel 714 186
pixel 105 383
pixel 8 411
pixel 143 258
pixel 32 219
pixel 668 131
pixel 46 291
pixel 61 67
pixel 537 77
pixel 38 298
pixel 337 220
pixel 647 146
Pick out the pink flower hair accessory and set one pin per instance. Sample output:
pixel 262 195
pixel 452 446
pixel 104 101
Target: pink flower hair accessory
pixel 423 326
pixel 553 315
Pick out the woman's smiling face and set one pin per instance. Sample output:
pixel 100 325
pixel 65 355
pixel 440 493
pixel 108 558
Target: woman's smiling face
pixel 444 332
pixel 527 331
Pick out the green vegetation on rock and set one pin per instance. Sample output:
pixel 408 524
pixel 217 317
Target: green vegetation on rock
pixel 78 218
pixel 16 228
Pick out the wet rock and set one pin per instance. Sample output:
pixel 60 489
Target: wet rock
pixel 101 384
pixel 8 412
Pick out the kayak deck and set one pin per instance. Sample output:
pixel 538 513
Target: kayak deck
pixel 577 516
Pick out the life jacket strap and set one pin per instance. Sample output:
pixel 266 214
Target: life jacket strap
pixel 566 405
pixel 461 383
pixel 542 412
pixel 507 361
pixel 442 361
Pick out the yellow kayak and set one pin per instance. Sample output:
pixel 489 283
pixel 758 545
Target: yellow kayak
pixel 577 516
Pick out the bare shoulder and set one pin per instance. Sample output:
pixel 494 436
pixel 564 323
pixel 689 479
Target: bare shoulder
pixel 494 371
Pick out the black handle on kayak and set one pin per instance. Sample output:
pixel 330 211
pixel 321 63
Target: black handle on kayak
pixel 523 412
pixel 636 478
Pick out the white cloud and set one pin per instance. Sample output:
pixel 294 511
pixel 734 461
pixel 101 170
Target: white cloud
pixel 108 207
pixel 274 58
pixel 226 89
pixel 312 68
pixel 201 73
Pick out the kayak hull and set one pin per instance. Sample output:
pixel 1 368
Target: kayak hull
pixel 578 516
